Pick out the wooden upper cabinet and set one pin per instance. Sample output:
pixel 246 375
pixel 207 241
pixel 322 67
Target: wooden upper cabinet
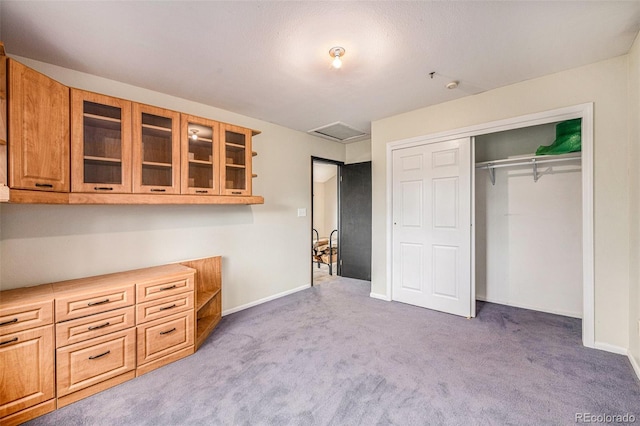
pixel 38 131
pixel 156 150
pixel 235 152
pixel 100 143
pixel 200 151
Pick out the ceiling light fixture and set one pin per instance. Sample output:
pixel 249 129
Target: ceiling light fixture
pixel 336 53
pixel 194 134
pixel 452 85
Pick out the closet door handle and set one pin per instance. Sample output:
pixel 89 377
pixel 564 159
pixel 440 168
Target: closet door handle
pixel 102 302
pixel 15 339
pixel 168 331
pixel 9 322
pixel 100 356
pixel 97 327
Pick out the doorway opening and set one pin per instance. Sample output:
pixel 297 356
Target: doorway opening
pixel 341 220
pixel 325 208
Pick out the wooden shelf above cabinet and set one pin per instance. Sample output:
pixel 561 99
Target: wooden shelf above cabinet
pixel 20 196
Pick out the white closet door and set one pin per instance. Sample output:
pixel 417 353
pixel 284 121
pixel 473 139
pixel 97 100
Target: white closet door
pixel 431 244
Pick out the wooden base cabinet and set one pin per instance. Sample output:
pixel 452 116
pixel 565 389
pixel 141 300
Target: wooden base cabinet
pixel 26 354
pixel 108 329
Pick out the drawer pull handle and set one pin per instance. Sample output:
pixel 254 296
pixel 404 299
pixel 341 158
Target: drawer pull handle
pixel 236 192
pixel 164 308
pixel 168 288
pixel 96 327
pixel 158 190
pixel 9 322
pixel 100 356
pixel 98 303
pixel 102 188
pixel 162 332
pixel 202 192
pixel 15 339
pixel 44 185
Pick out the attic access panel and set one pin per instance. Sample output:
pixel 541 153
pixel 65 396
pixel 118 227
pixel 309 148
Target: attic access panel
pixel 338 132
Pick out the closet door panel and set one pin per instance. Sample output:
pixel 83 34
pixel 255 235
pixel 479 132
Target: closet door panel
pixel 431 243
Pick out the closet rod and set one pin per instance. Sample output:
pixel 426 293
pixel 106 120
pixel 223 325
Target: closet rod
pixel 528 161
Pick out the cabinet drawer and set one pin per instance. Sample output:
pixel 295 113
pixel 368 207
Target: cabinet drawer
pixel 164 336
pixel 85 328
pixel 93 361
pixel 164 307
pixel 26 368
pixel 24 317
pixel 156 289
pixel 82 304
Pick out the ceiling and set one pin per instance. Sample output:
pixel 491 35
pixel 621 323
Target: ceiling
pixel 270 59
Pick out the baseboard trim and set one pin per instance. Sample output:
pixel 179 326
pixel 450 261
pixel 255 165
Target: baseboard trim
pixel 264 300
pixel 634 364
pixel 611 348
pixel 380 296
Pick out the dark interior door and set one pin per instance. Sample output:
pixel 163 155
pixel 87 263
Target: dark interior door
pixel 355 221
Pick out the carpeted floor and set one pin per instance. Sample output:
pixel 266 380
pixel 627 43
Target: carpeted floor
pixel 330 355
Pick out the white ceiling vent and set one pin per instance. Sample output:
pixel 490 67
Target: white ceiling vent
pixel 338 132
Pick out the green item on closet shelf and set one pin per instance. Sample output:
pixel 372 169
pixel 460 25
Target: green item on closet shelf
pixel 568 139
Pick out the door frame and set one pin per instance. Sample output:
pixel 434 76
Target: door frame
pixel 339 165
pixel 584 111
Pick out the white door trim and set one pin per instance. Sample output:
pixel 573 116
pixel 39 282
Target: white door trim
pixel 584 111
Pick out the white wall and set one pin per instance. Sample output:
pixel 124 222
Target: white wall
pixel 319 208
pixel 634 194
pixel 605 84
pixel 265 248
pixel 330 205
pixel 358 152
pixel 528 234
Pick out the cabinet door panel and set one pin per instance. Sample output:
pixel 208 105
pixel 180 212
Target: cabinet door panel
pixel 26 368
pixel 200 156
pixel 164 336
pixel 93 361
pixel 38 131
pixel 100 143
pixel 236 155
pixel 156 150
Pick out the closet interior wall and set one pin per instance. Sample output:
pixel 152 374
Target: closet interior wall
pixel 528 234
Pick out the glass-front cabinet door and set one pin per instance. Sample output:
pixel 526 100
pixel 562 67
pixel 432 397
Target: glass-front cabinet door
pixel 199 156
pixel 100 143
pixel 156 150
pixel 236 165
